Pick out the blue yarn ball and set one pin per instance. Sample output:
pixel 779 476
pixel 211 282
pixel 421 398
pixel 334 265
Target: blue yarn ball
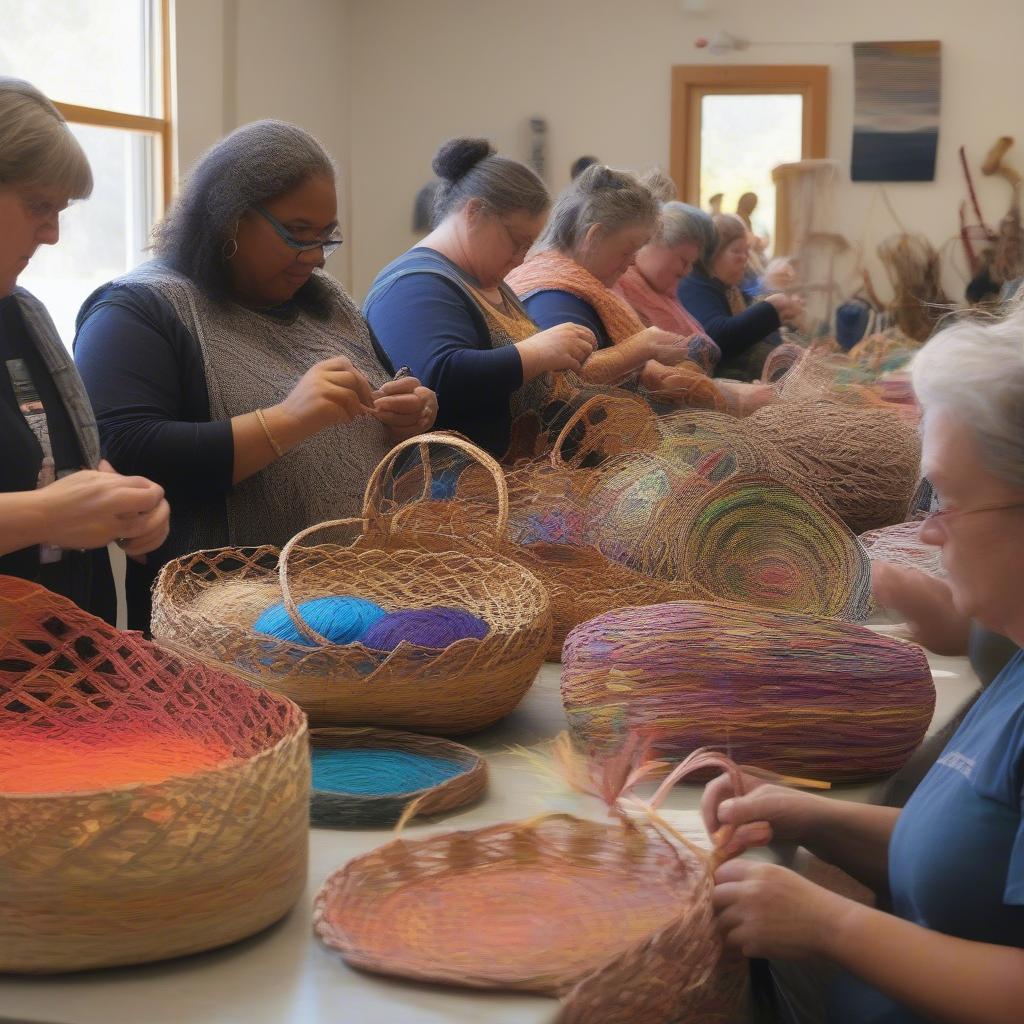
pixel 436 628
pixel 342 620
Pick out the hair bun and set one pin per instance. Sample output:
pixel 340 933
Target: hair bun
pixel 659 184
pixel 457 157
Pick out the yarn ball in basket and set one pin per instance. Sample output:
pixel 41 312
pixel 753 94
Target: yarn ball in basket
pixel 342 620
pixel 436 628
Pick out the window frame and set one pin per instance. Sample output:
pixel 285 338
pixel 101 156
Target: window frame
pixel 162 127
pixel 692 82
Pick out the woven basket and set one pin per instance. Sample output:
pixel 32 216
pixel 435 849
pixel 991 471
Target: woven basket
pixel 864 463
pixel 614 917
pixel 394 798
pixel 795 694
pixel 207 602
pixel 754 541
pixel 545 517
pixel 140 871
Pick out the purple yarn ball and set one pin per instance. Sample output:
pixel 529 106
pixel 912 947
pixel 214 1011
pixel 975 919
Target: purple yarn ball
pixel 436 628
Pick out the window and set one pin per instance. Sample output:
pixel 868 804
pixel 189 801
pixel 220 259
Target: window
pixel 732 124
pixel 104 63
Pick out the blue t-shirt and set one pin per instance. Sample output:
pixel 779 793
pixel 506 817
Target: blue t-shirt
pixel 956 857
pixel 551 307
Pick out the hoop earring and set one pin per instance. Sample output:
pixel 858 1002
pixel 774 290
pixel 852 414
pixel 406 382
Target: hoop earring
pixel 229 249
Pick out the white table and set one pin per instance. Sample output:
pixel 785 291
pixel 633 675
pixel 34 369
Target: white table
pixel 284 976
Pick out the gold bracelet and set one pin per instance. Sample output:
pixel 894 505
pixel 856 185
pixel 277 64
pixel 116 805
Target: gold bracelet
pixel 270 437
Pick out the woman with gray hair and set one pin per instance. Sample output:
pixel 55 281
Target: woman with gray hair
pixel 232 368
pixel 58 499
pixel 443 308
pixel 597 227
pixel 951 863
pixel 649 285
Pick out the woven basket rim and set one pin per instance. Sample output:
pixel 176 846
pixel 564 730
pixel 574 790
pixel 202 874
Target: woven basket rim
pixel 468 759
pixel 341 940
pixel 494 558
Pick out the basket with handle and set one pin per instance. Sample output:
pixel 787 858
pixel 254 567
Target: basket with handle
pixel 206 603
pixel 614 917
pixel 545 517
pixel 150 806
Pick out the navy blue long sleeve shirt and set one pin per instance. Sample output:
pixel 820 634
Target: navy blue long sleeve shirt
pixel 707 299
pixel 424 320
pixel 551 307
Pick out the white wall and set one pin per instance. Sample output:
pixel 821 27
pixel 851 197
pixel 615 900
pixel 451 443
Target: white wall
pixel 241 60
pixel 599 71
pixel 383 82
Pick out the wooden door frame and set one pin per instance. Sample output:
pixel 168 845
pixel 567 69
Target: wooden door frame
pixel 692 82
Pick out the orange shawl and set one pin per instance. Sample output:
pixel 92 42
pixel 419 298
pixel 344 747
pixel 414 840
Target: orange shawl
pixel 551 271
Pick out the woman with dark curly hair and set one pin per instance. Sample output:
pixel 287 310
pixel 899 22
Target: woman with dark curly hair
pixel 234 371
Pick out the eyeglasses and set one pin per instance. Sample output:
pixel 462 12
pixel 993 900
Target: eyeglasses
pixel 943 515
pixel 329 245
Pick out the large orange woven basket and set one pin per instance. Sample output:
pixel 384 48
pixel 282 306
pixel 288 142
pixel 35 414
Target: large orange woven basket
pixel 138 871
pixel 616 918
pixel 206 603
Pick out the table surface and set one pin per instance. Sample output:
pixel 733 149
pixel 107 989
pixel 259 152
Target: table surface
pixel 285 976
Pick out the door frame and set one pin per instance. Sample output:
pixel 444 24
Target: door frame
pixel 692 82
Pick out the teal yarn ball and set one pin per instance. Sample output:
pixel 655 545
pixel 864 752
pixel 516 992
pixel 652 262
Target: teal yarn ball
pixel 342 620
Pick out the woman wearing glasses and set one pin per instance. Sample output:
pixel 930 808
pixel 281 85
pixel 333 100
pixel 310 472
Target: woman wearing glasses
pixel 232 369
pixel 950 865
pixel 60 505
pixel 443 308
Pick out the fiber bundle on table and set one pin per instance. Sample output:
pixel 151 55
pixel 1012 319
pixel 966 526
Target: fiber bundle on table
pixel 754 541
pixel 864 463
pixel 799 695
pixel 150 807
pixel 206 603
pixel 612 917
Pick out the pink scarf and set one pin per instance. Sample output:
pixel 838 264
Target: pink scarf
pixel 664 310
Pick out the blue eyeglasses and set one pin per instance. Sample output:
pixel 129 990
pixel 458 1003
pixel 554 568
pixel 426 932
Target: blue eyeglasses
pixel 329 245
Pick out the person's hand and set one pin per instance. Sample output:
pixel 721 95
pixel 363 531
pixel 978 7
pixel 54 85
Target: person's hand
pixel 405 406
pixel 789 307
pixel 91 508
pixel 330 392
pixel 764 910
pixel 925 602
pixel 664 347
pixel 153 526
pixel 765 813
pixel 563 347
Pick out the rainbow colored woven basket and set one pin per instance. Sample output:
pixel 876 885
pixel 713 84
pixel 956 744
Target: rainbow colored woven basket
pixel 790 693
pixel 149 806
